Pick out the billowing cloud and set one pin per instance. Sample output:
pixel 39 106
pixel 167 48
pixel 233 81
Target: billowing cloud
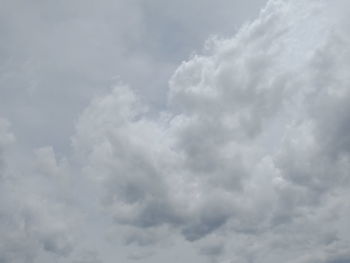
pixel 252 149
pixel 248 161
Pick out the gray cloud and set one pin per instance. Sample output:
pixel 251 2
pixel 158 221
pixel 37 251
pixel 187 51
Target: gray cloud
pixel 245 147
pixel 247 160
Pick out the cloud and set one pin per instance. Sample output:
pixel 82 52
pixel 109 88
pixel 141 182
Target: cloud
pixel 36 218
pixel 253 145
pixel 248 161
pixel 25 228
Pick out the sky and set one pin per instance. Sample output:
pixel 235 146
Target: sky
pixel 174 131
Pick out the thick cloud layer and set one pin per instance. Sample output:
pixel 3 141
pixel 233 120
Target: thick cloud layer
pixel 248 161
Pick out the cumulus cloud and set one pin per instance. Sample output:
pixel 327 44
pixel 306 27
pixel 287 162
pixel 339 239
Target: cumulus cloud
pixel 248 161
pixel 253 146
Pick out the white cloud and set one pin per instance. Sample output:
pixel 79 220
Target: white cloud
pixel 252 148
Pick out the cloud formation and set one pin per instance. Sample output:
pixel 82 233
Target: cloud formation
pixel 248 161
pixel 253 147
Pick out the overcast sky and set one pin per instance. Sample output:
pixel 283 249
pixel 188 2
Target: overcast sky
pixel 174 131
